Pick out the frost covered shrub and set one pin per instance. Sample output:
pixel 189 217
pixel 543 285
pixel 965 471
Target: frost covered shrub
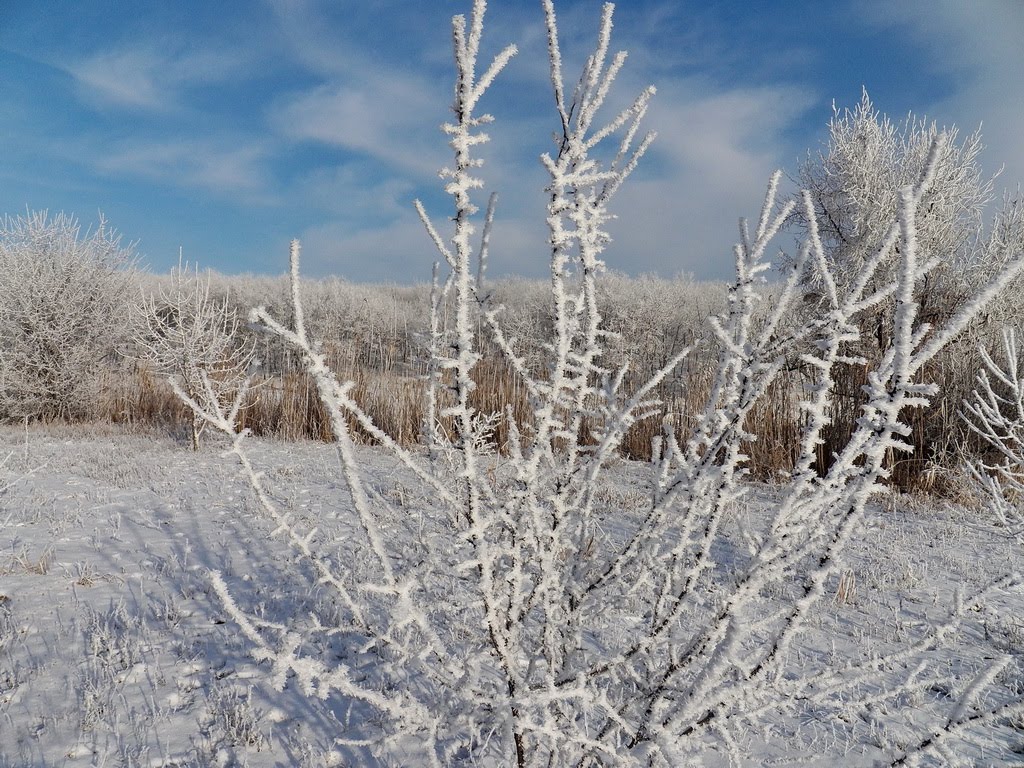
pixel 194 339
pixel 64 299
pixel 371 333
pixel 529 621
pixel 648 321
pixel 995 413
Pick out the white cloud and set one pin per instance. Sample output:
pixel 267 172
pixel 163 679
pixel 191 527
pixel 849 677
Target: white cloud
pixel 121 77
pixel 978 48
pixel 355 193
pixel 216 166
pixel 400 250
pixel 392 118
pixel 151 78
pixel 709 166
pixel 713 157
pixel 397 252
pixel 715 149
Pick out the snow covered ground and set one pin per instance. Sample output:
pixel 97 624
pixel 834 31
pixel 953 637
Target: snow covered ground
pixel 114 650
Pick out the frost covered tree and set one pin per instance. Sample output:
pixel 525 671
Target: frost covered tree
pixel 854 185
pixel 64 302
pixel 537 624
pixel 194 339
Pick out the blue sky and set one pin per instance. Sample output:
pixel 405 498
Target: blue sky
pixel 228 128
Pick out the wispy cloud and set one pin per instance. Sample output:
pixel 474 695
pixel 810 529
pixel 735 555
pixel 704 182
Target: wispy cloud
pixel 396 252
pixel 151 78
pixel 374 97
pixel 329 113
pixel 709 165
pixel 716 147
pixel 122 77
pixel 355 193
pixel 978 49
pixel 380 116
pixel 218 167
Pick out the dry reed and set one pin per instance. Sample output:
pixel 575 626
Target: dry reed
pixel 384 358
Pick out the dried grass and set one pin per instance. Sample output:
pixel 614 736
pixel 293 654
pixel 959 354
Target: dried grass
pixel 286 407
pixel 383 357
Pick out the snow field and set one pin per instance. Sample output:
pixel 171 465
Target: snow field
pixel 114 651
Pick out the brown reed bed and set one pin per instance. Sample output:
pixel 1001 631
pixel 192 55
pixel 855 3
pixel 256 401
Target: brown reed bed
pixel 287 407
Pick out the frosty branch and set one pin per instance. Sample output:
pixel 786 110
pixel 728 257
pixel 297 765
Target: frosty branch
pixel 541 623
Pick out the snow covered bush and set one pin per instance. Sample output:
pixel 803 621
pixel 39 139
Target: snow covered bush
pixel 64 298
pixel 855 186
pixel 194 339
pixel 539 622
pixel 995 413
